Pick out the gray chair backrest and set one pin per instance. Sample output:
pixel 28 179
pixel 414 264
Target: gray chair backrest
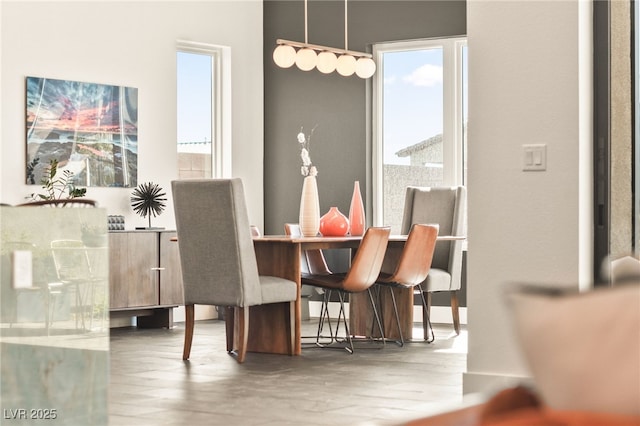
pixel 444 206
pixel 625 269
pixel 214 238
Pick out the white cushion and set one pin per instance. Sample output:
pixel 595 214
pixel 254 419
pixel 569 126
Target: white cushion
pixel 583 349
pixel 437 280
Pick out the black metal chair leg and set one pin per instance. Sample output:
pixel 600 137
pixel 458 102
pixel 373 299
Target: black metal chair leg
pixel 426 314
pixel 349 348
pixel 324 316
pixel 395 311
pixel 377 317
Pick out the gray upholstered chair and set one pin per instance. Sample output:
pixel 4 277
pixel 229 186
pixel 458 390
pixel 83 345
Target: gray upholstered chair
pixel 446 207
pixel 625 269
pixel 218 260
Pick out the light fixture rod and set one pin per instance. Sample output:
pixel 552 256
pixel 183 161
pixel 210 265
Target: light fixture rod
pixel 306 32
pixel 321 48
pixel 346 27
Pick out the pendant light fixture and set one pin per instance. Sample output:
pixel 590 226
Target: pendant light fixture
pixel 326 59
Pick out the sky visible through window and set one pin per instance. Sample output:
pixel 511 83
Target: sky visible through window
pixel 413 96
pixel 194 102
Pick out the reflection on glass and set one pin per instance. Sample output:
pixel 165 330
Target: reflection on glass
pixel 54 314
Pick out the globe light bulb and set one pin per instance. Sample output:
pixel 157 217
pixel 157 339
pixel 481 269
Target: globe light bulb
pixel 327 62
pixel 306 59
pixel 365 67
pixel 346 65
pixel 284 56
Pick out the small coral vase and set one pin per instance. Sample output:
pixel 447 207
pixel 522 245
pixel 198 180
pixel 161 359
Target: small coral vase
pixel 334 223
pixel 309 218
pixel 357 220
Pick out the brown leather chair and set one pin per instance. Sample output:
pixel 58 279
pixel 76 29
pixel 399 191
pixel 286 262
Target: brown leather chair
pixel 66 202
pixel 412 269
pixel 311 261
pixel 255 231
pixel 362 274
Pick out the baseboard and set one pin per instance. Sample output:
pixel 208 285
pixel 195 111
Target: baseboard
pixel 202 312
pixel 439 314
pixel 490 384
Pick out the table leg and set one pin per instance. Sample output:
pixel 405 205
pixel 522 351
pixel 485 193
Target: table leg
pixel 269 323
pixel 360 312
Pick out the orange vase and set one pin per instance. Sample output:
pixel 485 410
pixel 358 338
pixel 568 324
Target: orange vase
pixel 356 212
pixel 334 223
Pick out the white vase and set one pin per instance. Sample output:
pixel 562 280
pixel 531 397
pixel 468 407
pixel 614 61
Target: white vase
pixel 309 208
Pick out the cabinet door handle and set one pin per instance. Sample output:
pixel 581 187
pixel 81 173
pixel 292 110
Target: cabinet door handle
pixel 157 269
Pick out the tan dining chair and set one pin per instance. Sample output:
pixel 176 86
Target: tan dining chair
pixel 444 206
pixel 412 269
pixel 218 261
pixel 362 274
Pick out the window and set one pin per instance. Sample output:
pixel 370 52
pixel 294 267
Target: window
pixel 203 132
pixel 420 116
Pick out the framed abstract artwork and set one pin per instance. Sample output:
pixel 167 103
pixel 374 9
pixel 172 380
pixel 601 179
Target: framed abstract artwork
pixel 90 129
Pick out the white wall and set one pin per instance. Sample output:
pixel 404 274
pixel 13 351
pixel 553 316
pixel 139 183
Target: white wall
pixel 132 44
pixel 529 83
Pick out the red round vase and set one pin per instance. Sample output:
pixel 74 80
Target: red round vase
pixel 334 223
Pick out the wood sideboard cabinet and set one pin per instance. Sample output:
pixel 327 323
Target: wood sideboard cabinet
pixel 145 279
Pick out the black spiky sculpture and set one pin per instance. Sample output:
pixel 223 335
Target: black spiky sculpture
pixel 148 199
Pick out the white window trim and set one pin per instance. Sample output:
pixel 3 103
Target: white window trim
pixel 221 100
pixel 452 102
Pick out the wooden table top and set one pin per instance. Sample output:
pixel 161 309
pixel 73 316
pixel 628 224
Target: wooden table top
pixel 321 242
pixel 346 238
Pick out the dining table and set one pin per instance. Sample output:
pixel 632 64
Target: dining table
pixel 279 255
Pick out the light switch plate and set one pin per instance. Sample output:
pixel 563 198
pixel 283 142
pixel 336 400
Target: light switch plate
pixel 534 157
pixel 22 272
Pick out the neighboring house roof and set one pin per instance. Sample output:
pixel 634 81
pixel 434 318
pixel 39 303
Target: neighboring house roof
pixel 420 146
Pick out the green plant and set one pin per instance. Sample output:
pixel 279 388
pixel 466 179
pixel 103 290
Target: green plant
pixel 31 170
pixel 58 187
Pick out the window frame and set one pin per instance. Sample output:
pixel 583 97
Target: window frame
pixel 453 133
pixel 221 102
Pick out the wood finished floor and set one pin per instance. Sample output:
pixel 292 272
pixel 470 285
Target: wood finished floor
pixel 151 385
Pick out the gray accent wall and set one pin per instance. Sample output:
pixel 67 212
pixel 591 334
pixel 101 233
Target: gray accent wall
pixel 337 105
